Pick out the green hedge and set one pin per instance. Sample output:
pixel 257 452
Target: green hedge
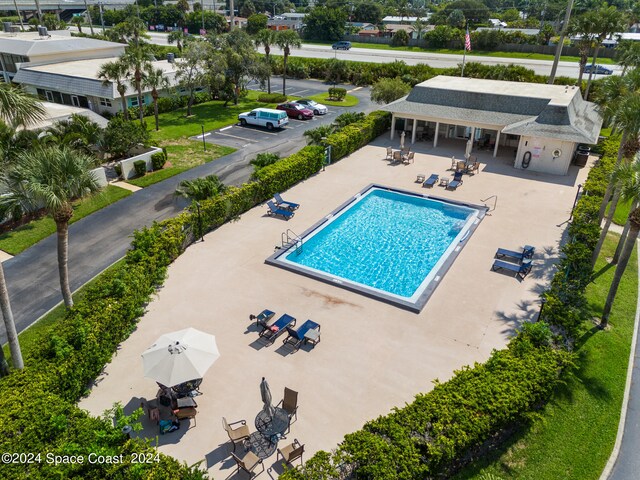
pixel 428 437
pixel 272 98
pixel 356 135
pixel 37 405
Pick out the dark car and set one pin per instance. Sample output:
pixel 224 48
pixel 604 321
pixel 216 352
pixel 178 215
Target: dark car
pixel 343 45
pixel 598 70
pixel 295 110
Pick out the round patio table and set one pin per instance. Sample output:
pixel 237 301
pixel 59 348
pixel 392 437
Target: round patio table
pixel 262 446
pixel 273 427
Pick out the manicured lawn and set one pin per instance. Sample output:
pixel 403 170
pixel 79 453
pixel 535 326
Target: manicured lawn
pixel 349 100
pixel 532 56
pixel 183 154
pixel 213 115
pixel 34 333
pixel 622 212
pixel 27 235
pixel 575 434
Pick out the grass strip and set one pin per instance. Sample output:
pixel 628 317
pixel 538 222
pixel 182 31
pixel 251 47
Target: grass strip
pixel 348 101
pixel 23 237
pixel 583 414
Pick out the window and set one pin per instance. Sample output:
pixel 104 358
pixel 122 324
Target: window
pixel 105 102
pixel 133 102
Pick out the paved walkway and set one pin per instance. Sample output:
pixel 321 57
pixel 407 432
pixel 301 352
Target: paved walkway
pixel 99 240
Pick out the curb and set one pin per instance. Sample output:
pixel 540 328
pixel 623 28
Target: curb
pixel 608 468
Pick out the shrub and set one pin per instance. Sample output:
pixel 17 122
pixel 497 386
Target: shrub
pixel 140 166
pixel 400 39
pixel 337 94
pixel 264 159
pixel 166 104
pixel 389 89
pixel 121 135
pixel 272 98
pixel 118 169
pixel 158 160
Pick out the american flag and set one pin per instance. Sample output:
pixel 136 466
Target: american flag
pixel 467 41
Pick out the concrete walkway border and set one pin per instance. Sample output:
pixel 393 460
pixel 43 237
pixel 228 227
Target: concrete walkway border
pixel 608 468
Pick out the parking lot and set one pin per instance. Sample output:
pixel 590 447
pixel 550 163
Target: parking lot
pixel 237 136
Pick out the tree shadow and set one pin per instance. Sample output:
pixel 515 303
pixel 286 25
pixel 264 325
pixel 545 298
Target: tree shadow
pixel 602 271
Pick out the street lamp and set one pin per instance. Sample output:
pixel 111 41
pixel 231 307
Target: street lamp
pixel 543 301
pixel 204 143
pixel 575 201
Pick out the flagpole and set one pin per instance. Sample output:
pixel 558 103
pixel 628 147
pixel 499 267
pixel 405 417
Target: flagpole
pixel 464 59
pixel 467 44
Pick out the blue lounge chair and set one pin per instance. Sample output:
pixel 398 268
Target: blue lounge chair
pixel 262 319
pixel 309 331
pixel 527 252
pixel 274 210
pixel 456 182
pixel 431 181
pixel 284 204
pixel 520 270
pixel 271 332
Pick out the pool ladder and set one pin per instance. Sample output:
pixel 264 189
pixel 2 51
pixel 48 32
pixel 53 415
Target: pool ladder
pixel 289 238
pixel 495 203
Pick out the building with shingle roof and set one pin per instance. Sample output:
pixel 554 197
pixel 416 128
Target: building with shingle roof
pixel 542 124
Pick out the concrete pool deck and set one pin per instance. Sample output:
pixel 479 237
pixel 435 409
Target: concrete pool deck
pixel 373 356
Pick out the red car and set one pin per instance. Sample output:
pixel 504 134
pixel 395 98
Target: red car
pixel 295 110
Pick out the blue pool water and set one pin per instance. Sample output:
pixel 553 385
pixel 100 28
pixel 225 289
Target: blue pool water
pixel 386 240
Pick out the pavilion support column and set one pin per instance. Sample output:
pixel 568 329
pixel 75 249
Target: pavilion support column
pixel 495 148
pixel 435 135
pixel 393 126
pixel 413 131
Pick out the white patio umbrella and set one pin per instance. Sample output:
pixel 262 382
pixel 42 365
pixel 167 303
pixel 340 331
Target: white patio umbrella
pixel 265 393
pixel 467 152
pixel 402 135
pixel 180 356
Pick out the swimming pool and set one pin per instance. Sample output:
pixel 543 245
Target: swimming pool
pixel 386 243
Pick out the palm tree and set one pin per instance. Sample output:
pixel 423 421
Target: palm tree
pixel 155 80
pixel 623 237
pixel 51 177
pixel 201 188
pixel 628 177
pixel 265 38
pixel 138 61
pixel 316 135
pixel 18 108
pixel 609 21
pixel 628 54
pixel 585 27
pixel 286 39
pixel 116 72
pixel 179 37
pixel 419 27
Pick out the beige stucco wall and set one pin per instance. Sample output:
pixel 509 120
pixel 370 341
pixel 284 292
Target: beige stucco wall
pixel 542 159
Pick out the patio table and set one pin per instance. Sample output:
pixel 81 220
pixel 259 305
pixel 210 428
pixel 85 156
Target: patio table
pixel 272 428
pixel 262 446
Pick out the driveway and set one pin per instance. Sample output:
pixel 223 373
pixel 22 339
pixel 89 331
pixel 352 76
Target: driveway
pixel 99 240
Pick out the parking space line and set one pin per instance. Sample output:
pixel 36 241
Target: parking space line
pixel 354 89
pixel 199 137
pixel 295 94
pixel 235 136
pixel 226 128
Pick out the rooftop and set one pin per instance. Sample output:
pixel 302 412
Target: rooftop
pixel 32 44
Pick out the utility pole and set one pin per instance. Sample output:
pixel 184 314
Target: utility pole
pixel 15 4
pixel 230 15
pixel 86 7
pixel 565 27
pixel 101 18
pixel 39 12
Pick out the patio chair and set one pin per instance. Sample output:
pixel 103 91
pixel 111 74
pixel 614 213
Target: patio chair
pixel 456 182
pixel 281 203
pixel 277 328
pixel 248 463
pixel 521 270
pixel 289 404
pixel 431 181
pixel 274 210
pixel 461 166
pixel 389 153
pixel 397 156
pixel 236 435
pixel 309 332
pixel 527 252
pixel 291 452
pixel 408 158
pixel 473 167
pixel 262 319
pixel 454 163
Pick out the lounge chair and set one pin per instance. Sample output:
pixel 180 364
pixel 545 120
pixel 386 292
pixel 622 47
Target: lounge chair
pixel 274 210
pixel 291 452
pixel 309 331
pixel 456 182
pixel 248 463
pixel 289 404
pixel 237 435
pixel 431 181
pixel 284 204
pixel 527 252
pixel 273 331
pixel 521 270
pixel 262 319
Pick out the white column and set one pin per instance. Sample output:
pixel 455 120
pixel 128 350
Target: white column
pixel 393 126
pixel 413 131
pixel 495 149
pixel 435 135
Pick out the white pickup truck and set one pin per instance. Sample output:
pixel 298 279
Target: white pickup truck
pixel 264 117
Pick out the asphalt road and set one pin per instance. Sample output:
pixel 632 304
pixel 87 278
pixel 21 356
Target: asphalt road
pixel 97 241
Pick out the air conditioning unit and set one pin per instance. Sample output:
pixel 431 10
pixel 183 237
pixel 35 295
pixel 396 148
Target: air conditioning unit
pixel 42 31
pixel 7 27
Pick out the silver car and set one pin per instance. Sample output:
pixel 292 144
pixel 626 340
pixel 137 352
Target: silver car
pixel 318 108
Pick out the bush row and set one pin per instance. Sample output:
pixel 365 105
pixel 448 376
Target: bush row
pixel 363 73
pixel 272 98
pixel 565 301
pixel 169 104
pixel 356 135
pixel 37 405
pixel 428 437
